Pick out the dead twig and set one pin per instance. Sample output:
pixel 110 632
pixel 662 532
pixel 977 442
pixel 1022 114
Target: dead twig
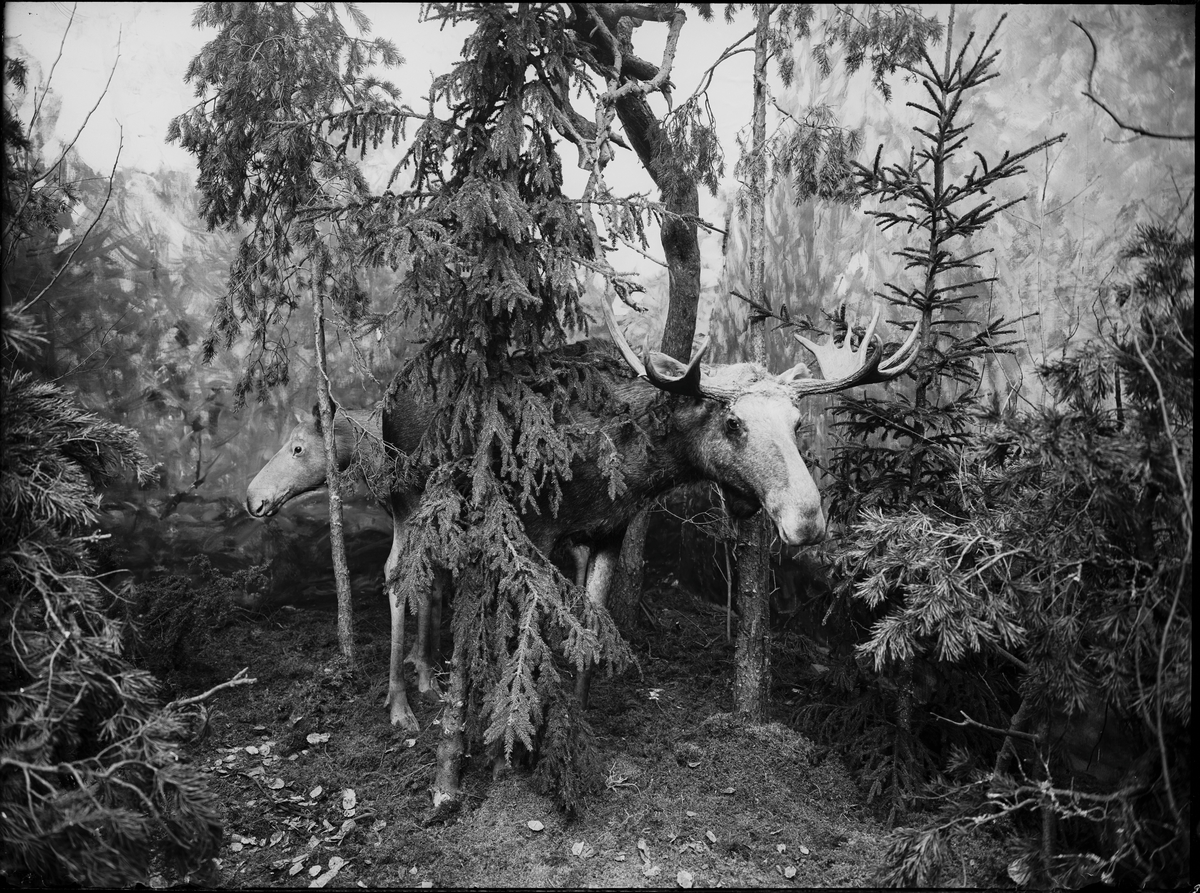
pixel 976 724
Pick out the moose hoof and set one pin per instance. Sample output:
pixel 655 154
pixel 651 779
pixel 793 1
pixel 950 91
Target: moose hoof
pixel 445 804
pixel 401 714
pixel 429 691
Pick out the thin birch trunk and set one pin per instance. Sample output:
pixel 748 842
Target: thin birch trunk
pixel 337 540
pixel 752 661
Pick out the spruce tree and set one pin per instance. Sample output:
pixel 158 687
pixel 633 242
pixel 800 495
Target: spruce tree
pixel 1032 569
pixel 1069 550
pixel 898 450
pixel 492 257
pixel 92 787
pixel 489 249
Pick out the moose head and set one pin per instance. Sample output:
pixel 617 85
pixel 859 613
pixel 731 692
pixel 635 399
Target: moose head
pixel 738 424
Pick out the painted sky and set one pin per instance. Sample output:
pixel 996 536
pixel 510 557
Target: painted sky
pixel 152 43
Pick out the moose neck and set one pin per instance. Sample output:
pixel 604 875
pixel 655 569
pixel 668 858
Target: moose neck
pixel 356 431
pixel 648 468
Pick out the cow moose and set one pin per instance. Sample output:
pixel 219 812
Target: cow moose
pixel 733 424
pixel 298 467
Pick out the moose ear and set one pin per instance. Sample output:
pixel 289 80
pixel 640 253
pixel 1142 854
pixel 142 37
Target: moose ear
pixel 800 370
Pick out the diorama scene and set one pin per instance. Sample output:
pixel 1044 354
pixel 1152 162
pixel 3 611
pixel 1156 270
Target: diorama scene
pixel 597 444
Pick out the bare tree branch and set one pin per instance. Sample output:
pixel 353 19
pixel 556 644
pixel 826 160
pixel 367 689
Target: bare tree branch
pixel 37 106
pixel 82 239
pixel 1090 95
pixel 67 147
pixel 728 53
pixel 31 187
pixel 968 722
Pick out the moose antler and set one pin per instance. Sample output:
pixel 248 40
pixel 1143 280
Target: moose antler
pixel 844 368
pixel 614 332
pixel 685 383
pixel 664 372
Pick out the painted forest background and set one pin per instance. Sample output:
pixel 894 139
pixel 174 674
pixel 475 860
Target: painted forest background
pixel 128 319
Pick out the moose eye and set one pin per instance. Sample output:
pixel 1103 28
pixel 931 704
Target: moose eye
pixel 733 425
pixel 297 450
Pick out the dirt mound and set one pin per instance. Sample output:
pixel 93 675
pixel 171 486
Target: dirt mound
pixel 317 785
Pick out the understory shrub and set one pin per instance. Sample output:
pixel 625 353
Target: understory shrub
pixel 172 618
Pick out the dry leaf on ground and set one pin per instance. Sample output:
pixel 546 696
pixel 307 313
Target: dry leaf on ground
pixel 335 865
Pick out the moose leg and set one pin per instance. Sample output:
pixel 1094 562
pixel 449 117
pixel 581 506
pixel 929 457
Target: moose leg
pixel 599 577
pixel 581 553
pixel 413 657
pixel 397 698
pixel 423 656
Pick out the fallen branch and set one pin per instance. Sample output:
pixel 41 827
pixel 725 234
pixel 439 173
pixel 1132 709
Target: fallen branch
pixel 239 679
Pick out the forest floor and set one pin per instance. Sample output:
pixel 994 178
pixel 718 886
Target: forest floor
pixel 318 789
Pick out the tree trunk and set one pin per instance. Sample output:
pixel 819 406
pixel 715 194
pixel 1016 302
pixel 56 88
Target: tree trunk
pixel 678 188
pixel 337 540
pixel 679 234
pixel 752 673
pixel 630 574
pixel 681 250
pixel 902 755
pixel 1008 760
pixel 752 655
pixel 447 789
